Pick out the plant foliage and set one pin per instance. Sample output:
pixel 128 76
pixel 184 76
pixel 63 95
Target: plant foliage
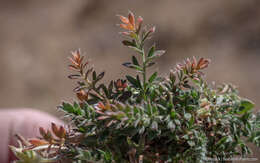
pixel 146 118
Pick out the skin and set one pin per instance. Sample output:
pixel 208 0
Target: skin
pixel 26 122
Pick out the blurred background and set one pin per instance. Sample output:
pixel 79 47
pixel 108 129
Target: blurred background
pixel 36 38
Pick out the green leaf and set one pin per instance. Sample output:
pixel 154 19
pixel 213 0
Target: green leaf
pixel 94 75
pixel 246 105
pixel 71 109
pixel 150 64
pixel 136 49
pixel 138 81
pixel 134 60
pixel 67 107
pixel 138 68
pixel 152 77
pixel 128 43
pixel 173 113
pixel 130 65
pixel 172 77
pixel 100 76
pixel 105 90
pixel 111 86
pixel 106 155
pixel 145 35
pixel 77 109
pixel 127 64
pixel 191 122
pixel 223 140
pixel 151 51
pixel 133 81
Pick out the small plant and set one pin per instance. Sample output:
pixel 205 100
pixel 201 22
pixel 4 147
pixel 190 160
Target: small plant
pixel 146 118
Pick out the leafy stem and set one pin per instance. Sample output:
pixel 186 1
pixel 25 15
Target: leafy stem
pixel 138 37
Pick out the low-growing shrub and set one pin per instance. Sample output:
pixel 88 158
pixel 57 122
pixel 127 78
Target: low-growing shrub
pixel 146 118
